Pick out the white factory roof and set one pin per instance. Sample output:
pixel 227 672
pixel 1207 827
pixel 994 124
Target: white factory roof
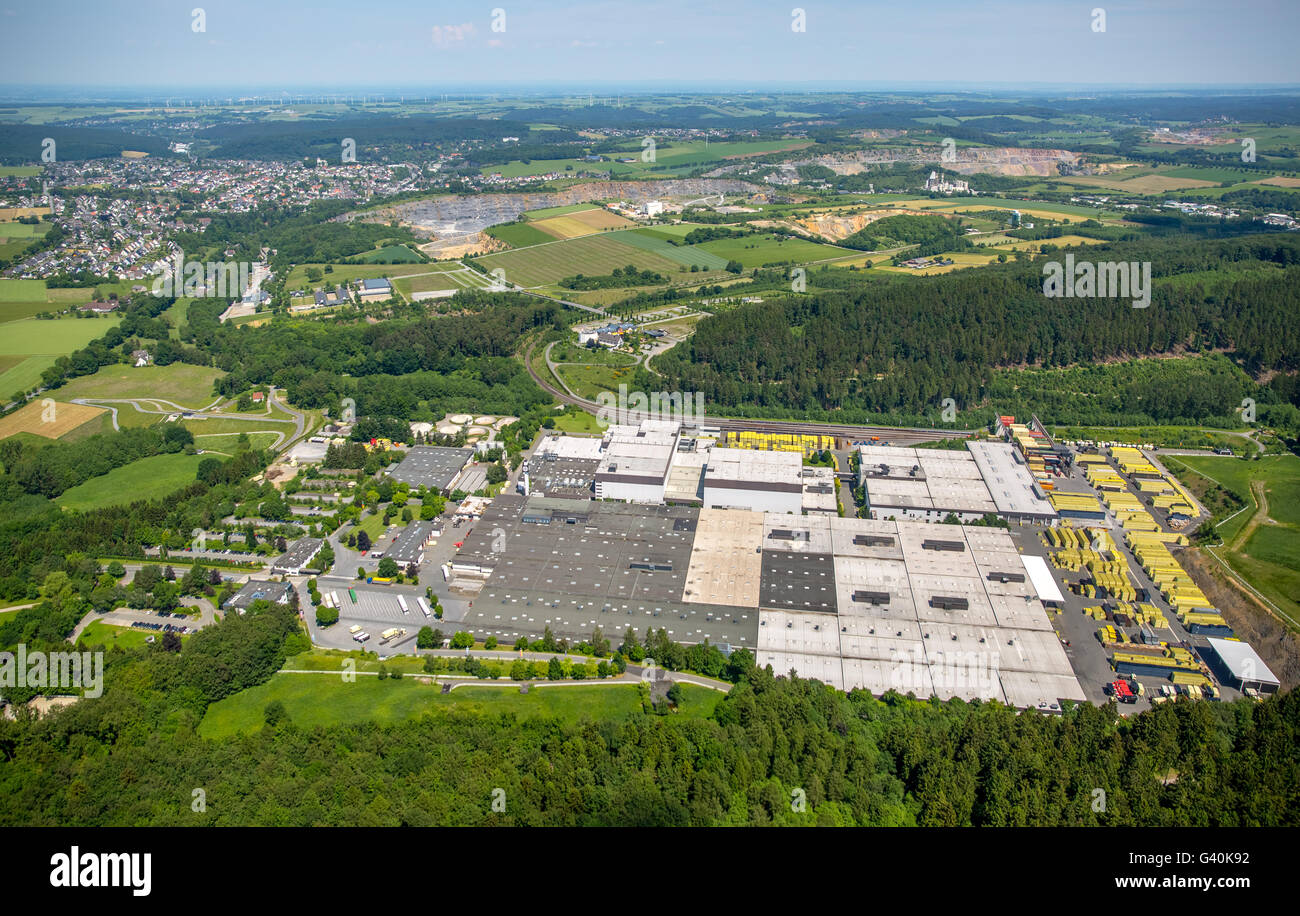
pixel 1041 577
pixel 750 465
pixel 1008 480
pixel 571 447
pixel 1243 661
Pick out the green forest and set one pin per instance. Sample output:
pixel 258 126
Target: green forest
pixel 133 757
pixel 853 351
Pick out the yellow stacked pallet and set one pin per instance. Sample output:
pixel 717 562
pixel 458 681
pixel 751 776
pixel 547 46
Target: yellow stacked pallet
pixel 1205 618
pixel 1078 502
pixel 781 442
pixel 1151 615
pixel 1096 612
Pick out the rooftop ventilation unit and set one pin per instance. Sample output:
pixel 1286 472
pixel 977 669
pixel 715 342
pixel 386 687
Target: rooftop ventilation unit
pixel 1005 577
pixel 871 597
pixel 949 603
pixel 873 540
pixel 955 546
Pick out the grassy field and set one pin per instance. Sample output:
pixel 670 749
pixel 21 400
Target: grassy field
pixel 520 235
pixel 19 171
pixel 397 253
pixel 12 290
pixel 1261 543
pixel 347 272
pixel 24 375
pixel 181 383
pixel 594 255
pixel 315 699
pixel 577 423
pixel 589 381
pixel 57 337
pixel 98 633
pixel 680 255
pixel 756 252
pixel 148 478
pixel 16 230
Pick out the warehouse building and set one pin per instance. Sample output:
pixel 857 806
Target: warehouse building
pixel 298 557
pixel 819 494
pixel 744 478
pixel 636 460
pixel 1238 664
pixel 855 603
pixel 432 466
pixel 1016 495
pixel 259 590
pixel 922 484
pixel 409 546
pixel 563 467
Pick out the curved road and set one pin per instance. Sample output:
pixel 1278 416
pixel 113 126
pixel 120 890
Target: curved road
pixel 283 442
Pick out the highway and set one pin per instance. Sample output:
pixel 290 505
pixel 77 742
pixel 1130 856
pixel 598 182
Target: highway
pixel 892 434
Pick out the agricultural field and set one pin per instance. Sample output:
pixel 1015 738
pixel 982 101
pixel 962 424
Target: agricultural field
pixel 12 290
pixel 1262 542
pixel 25 231
pixel 763 250
pixel 1144 184
pixel 520 235
pixel 1062 241
pixel 39 343
pixel 181 383
pixel 594 255
pixel 148 478
pixel 582 222
pixel 53 421
pixel 321 700
pixel 19 171
pixel 681 255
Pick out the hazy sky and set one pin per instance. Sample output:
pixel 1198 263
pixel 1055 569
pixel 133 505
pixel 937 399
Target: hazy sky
pixel 267 43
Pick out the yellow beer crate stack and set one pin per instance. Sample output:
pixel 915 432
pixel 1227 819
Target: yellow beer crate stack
pixel 1096 612
pixel 1150 615
pixel 1063 502
pixel 781 442
pixel 1103 477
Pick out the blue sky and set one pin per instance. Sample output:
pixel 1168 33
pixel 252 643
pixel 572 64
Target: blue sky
pixel 268 43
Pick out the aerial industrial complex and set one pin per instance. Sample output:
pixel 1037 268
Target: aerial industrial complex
pixel 954 581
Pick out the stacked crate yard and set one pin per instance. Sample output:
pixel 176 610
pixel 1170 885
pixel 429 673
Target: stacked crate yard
pixel 1031 443
pixel 1160 490
pixel 1177 664
pixel 780 442
pixel 1194 610
pixel 1093 550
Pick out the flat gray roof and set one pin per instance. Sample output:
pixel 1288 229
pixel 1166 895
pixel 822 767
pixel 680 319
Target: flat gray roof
pixel 432 466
